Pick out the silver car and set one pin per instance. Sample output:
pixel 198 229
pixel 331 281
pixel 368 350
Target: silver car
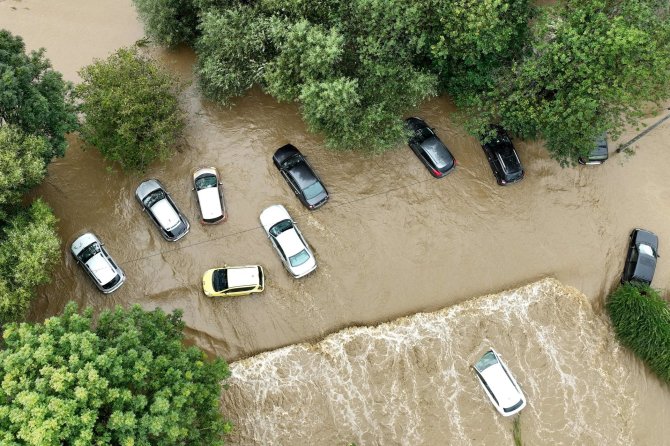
pixel 288 241
pixel 207 189
pixel 499 385
pixel 163 211
pixel 91 254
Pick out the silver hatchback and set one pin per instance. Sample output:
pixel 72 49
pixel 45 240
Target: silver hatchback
pixel 156 202
pixel 91 254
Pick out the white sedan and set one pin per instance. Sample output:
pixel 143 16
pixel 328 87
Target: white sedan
pixel 288 241
pixel 499 385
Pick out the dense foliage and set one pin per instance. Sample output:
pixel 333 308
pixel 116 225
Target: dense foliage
pixel 641 320
pixel 132 114
pixel 127 380
pixel 589 67
pixel 29 247
pixel 34 97
pixel 578 69
pixel 22 165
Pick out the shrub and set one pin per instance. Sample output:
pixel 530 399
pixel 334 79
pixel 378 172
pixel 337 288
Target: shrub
pixel 127 380
pixel 131 110
pixel 34 97
pixel 641 320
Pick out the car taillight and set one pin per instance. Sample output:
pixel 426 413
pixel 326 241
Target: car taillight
pixel 437 172
pixel 456 162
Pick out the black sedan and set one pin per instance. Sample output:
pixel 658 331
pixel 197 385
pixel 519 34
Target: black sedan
pixel 427 146
pixel 641 259
pixel 503 158
pixel 300 176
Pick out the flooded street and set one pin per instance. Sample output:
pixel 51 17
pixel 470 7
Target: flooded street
pixel 392 241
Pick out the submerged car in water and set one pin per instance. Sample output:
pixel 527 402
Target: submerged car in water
pixel 288 241
pixel 156 202
pixel 304 182
pixel 641 258
pixel 429 148
pixel 599 154
pixel 502 157
pixel 207 189
pixel 233 281
pixel 91 254
pixel 499 385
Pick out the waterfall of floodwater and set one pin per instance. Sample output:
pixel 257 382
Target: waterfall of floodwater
pixel 409 382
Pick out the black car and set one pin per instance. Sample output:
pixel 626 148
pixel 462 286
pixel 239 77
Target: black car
pixel 599 154
pixel 503 158
pixel 431 151
pixel 641 259
pixel 300 176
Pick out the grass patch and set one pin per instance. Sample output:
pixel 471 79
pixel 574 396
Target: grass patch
pixel 516 432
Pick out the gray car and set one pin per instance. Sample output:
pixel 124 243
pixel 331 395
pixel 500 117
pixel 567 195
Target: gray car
pixel 158 204
pixel 91 254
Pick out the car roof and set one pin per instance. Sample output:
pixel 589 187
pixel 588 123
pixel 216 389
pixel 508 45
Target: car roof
pixel 210 202
pixel 290 242
pixel 242 276
pixel 165 213
pixel 102 270
pixel 302 174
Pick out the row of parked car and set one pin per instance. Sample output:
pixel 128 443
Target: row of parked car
pixel 281 229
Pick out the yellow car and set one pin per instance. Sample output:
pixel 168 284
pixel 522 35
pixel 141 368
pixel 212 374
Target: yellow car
pixel 233 281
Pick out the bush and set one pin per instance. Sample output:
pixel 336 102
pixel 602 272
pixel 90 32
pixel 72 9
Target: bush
pixel 641 320
pixel 29 248
pixel 131 110
pixel 127 380
pixel 34 97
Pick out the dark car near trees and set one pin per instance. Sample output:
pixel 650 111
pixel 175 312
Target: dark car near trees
pixel 641 259
pixel 502 157
pixel 599 154
pixel 429 148
pixel 300 176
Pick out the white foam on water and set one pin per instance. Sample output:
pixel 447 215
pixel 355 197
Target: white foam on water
pixel 409 382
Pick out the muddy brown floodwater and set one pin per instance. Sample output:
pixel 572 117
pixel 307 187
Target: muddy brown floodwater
pixel 392 241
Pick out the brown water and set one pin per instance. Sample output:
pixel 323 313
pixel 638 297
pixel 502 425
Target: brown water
pixel 393 241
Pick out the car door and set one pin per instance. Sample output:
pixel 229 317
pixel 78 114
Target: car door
pixel 290 180
pixel 279 249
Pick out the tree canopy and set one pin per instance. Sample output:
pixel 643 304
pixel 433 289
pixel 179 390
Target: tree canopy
pixel 33 97
pixel 132 114
pixel 126 380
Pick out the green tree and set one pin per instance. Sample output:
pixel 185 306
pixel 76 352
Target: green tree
pixel 22 166
pixel 33 96
pixel 127 380
pixel 641 320
pixel 132 114
pixel 590 67
pixel 29 248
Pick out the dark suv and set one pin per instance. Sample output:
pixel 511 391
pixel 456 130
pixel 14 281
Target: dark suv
pixel 599 154
pixel 641 259
pixel 503 158
pixel 300 176
pixel 427 146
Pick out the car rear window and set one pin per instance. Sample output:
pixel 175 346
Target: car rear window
pixel 299 258
pixel 313 190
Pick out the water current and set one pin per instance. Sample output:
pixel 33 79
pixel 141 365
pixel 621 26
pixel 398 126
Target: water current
pixel 392 242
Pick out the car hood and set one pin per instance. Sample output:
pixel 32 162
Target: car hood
pixel 166 214
pixel 302 174
pixel 82 242
pixel 290 242
pixel 273 215
pixel 146 187
pixel 501 386
pixel 102 270
pixel 210 202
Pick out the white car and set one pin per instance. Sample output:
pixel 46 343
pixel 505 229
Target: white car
pixel 207 189
pixel 499 385
pixel 91 254
pixel 288 241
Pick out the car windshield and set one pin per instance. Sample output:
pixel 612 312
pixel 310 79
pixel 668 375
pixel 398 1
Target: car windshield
pixel 220 280
pixel 205 182
pixel 280 227
pixel 153 198
pixel 486 361
pixel 313 190
pixel 88 252
pixel 299 258
pixel 424 133
pixel 646 249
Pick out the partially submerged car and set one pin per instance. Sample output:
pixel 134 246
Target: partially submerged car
pixel 298 173
pixel 233 281
pixel 91 254
pixel 156 202
pixel 499 385
pixel 288 241
pixel 502 157
pixel 207 189
pixel 429 148
pixel 641 259
pixel 599 154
